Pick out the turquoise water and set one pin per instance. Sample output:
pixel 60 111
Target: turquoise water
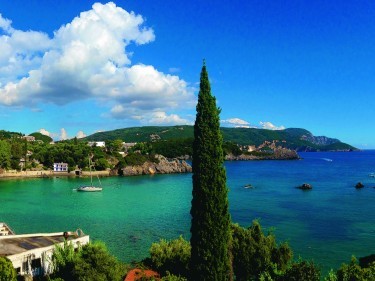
pixel 329 223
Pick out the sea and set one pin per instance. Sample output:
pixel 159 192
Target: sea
pixel 327 224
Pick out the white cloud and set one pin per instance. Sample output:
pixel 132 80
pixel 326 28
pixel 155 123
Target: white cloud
pixel 158 118
pixel 44 132
pixel 80 135
pixel 63 134
pixel 235 122
pixel 87 59
pixel 270 126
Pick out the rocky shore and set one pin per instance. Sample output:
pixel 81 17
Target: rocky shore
pixel 164 166
pixel 278 154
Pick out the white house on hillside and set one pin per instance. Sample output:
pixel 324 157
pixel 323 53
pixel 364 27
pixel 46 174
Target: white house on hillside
pixel 60 167
pixel 97 143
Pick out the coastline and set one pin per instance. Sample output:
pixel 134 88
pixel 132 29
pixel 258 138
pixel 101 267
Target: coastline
pixel 49 174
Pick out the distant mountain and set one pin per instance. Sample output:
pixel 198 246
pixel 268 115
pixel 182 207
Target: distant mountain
pixel 293 138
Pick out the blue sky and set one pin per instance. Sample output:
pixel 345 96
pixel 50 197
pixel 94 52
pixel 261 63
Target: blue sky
pixel 71 68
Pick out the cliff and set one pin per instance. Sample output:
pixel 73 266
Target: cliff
pixel 278 154
pixel 164 166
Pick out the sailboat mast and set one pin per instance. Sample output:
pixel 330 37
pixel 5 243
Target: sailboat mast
pixel 90 171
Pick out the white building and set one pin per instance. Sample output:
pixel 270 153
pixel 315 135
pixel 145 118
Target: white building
pixel 32 253
pixel 60 167
pixel 96 143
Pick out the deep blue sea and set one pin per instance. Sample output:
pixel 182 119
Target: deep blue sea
pixel 328 223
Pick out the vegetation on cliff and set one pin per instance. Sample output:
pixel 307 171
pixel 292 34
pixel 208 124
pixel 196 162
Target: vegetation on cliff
pixel 297 139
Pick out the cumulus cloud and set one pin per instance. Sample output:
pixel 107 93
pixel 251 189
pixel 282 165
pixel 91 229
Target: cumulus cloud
pixel 87 59
pixel 63 134
pixel 158 118
pixel 80 135
pixel 44 132
pixel 236 122
pixel 270 126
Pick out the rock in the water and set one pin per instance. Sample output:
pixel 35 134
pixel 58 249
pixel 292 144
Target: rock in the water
pixel 359 185
pixel 305 186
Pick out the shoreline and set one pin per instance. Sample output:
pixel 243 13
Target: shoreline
pixel 49 174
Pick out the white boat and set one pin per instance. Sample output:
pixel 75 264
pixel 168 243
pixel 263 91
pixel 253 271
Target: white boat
pixel 90 188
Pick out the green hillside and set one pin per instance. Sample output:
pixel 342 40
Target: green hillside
pixel 41 137
pixel 293 138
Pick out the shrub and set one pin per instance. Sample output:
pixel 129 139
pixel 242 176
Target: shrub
pixel 255 253
pixel 63 259
pixel 302 270
pixel 7 271
pixel 95 263
pixel 172 256
pixel 353 272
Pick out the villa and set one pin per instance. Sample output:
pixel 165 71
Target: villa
pixel 32 253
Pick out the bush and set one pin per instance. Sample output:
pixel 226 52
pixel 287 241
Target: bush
pixel 302 270
pixel 63 259
pixel 172 256
pixel 7 271
pixel 255 253
pixel 353 272
pixel 95 263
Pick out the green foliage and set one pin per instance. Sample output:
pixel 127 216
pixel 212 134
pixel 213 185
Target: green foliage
pixel 302 270
pixel 41 137
pixel 63 260
pixel 353 272
pixel 241 136
pixel 7 271
pixel 101 164
pixel 174 147
pixel 135 159
pixel 5 135
pixel 172 256
pixel 5 154
pixel 171 277
pixel 96 264
pixel 210 225
pixel 255 253
pixel 113 146
pixel 231 147
pixel 142 148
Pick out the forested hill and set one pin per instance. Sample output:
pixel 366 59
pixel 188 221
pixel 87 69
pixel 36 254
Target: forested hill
pixel 293 138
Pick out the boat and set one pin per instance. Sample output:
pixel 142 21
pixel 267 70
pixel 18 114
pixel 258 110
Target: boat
pixel 372 175
pixel 90 188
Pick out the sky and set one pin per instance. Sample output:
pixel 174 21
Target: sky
pixel 72 68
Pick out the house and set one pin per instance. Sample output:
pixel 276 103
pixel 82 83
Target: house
pixel 96 143
pixel 60 167
pixel 32 253
pixel 29 138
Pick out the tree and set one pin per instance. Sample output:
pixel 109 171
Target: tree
pixel 95 263
pixel 7 271
pixel 171 256
pixel 210 224
pixel 5 154
pixel 255 253
pixel 63 260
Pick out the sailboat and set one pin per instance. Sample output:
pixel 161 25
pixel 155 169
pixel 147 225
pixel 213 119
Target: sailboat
pixel 90 188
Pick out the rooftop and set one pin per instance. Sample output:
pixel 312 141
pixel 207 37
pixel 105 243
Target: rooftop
pixel 16 244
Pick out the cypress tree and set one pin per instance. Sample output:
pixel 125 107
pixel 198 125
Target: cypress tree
pixel 210 224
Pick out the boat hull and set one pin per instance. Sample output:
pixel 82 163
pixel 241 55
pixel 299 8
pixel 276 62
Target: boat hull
pixel 89 189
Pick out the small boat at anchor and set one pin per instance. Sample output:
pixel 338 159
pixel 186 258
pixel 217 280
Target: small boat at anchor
pixel 91 188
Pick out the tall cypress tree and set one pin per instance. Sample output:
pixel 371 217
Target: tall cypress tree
pixel 210 224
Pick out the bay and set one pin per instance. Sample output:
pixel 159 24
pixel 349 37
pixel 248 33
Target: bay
pixel 328 223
